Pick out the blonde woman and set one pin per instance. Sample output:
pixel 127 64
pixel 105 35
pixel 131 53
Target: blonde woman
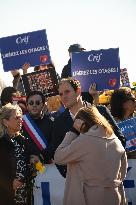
pixel 96 161
pixel 12 157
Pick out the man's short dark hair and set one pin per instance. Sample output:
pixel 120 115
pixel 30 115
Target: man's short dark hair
pixel 76 48
pixel 75 84
pixel 6 95
pixel 35 92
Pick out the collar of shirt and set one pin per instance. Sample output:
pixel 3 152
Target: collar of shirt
pixel 71 114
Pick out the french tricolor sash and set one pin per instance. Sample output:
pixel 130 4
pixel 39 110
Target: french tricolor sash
pixel 34 132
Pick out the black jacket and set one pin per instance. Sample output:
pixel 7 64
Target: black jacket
pixel 10 166
pixel 45 126
pixel 66 71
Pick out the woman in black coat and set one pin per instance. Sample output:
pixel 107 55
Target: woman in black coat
pixel 13 164
pixel 7 171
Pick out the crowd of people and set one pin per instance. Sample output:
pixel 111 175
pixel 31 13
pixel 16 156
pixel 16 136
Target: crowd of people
pixel 79 136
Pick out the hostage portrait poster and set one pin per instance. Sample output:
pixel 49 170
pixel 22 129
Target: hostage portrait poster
pixel 44 81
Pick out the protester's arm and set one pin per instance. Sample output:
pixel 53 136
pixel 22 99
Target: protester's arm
pixel 71 147
pixel 70 150
pixel 16 78
pixel 94 93
pixel 124 166
pixel 17 184
pixel 25 68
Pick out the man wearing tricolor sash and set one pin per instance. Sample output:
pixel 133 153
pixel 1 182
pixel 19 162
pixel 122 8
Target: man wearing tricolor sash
pixel 37 128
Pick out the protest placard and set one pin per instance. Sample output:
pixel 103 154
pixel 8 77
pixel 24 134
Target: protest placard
pixel 124 77
pixel 101 67
pixel 44 81
pixel 128 128
pixel 29 47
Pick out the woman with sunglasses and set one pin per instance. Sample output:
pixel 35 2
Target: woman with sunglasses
pixel 123 104
pixel 123 107
pixel 96 161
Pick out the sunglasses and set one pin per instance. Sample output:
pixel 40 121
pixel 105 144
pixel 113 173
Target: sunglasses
pixel 37 102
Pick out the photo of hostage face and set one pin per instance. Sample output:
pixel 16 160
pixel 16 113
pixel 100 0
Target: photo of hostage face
pixel 14 123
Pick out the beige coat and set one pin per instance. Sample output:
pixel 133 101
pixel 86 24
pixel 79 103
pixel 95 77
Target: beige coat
pixel 96 168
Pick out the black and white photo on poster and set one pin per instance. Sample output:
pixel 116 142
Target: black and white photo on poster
pixel 44 81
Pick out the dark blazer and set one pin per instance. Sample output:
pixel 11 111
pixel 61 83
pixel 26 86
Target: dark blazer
pixel 45 127
pixel 66 71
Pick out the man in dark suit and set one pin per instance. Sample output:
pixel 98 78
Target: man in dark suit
pixel 70 94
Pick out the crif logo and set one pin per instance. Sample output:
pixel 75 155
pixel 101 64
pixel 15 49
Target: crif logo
pixel 21 40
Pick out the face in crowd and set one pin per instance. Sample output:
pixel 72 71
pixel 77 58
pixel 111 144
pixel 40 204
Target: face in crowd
pixel 122 103
pixel 129 106
pixel 69 94
pixel 35 105
pixel 13 120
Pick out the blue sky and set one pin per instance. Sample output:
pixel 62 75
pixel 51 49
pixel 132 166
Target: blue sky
pixel 96 24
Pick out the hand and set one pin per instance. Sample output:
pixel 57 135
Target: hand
pixel 17 184
pixel 94 93
pixel 34 159
pixel 78 123
pixel 15 72
pixel 25 67
pixel 92 89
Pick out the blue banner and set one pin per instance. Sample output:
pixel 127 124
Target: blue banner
pixel 128 128
pixel 29 47
pixel 101 67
